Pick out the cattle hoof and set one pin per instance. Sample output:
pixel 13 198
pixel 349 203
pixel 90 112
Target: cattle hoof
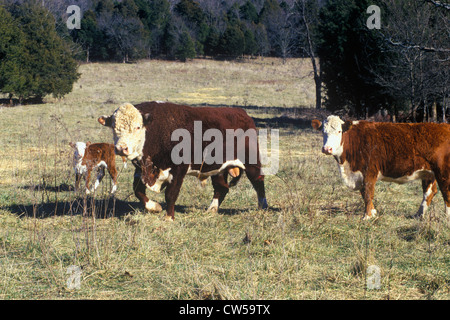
pixel 262 204
pixel 168 218
pixel 214 207
pixel 152 206
pixel 417 216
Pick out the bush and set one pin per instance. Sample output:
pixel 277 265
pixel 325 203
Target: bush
pixel 186 47
pixel 36 61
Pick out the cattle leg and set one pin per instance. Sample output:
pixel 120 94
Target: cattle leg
pixel 139 191
pixel 88 177
pixel 444 185
pixel 367 192
pixel 256 178
pixel 221 188
pixel 77 181
pixel 100 175
pixel 429 188
pixel 113 173
pixel 172 191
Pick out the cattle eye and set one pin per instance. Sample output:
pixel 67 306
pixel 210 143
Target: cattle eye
pixel 138 127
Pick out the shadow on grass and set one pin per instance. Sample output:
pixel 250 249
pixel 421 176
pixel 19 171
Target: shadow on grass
pixel 296 117
pixel 64 187
pixel 102 208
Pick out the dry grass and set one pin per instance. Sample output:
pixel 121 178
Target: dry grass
pixel 311 244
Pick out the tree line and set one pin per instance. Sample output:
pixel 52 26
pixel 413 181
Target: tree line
pixel 183 29
pixel 402 67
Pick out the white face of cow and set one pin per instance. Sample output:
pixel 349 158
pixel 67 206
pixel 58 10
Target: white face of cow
pixel 128 131
pixel 332 136
pixel 79 149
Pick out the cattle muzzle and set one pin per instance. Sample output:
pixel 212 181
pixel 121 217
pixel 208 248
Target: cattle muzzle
pixel 327 150
pixel 121 151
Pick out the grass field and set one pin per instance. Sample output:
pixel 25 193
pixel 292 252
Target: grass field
pixel 310 244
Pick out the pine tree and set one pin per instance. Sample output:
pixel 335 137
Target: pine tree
pixel 13 80
pixel 46 59
pixel 233 41
pixel 348 50
pixel 186 47
pixel 248 12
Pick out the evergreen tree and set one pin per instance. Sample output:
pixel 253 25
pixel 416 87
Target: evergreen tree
pixel 233 41
pixel 12 78
pixel 251 47
pixel 248 12
pixel 212 43
pixel 89 37
pixel 195 20
pixel 156 17
pixel 348 50
pixel 186 47
pixel 191 11
pixel 269 8
pixel 46 60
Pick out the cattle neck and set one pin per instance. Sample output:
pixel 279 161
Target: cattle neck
pixel 341 158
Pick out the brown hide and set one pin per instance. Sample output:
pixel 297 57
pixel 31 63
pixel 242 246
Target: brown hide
pixel 396 150
pixel 161 120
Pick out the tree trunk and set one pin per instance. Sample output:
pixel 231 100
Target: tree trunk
pixel 318 82
pixel 434 112
pixel 444 110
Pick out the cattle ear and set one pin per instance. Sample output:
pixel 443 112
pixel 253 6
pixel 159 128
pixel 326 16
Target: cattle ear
pixel 105 121
pixel 347 125
pixel 146 117
pixel 316 124
pixel 88 144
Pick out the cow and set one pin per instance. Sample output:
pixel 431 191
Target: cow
pixel 395 152
pixel 89 156
pixel 144 134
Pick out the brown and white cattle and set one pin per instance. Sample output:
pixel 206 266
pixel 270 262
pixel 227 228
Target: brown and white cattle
pixel 89 156
pixel 403 152
pixel 144 134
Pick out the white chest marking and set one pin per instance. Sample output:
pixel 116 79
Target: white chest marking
pixel 163 177
pixel 79 168
pixel 353 180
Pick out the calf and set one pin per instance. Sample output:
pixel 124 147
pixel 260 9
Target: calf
pixel 88 157
pixel 370 151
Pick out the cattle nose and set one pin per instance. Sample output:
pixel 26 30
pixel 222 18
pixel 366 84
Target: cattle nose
pixel 327 150
pixel 121 151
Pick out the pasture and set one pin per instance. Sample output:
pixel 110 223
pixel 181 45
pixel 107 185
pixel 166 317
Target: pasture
pixel 310 244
